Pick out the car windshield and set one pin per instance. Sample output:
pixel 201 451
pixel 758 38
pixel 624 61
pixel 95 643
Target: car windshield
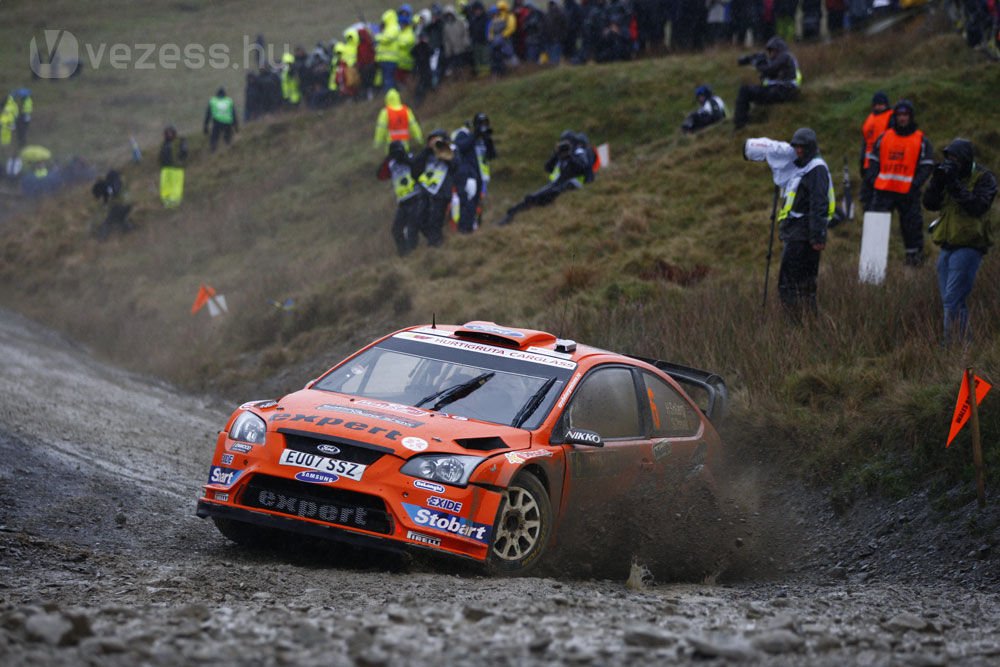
pixel 460 378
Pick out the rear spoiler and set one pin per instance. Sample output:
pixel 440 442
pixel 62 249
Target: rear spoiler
pixel 710 392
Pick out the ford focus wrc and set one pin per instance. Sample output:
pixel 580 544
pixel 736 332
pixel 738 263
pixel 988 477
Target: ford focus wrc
pixel 478 441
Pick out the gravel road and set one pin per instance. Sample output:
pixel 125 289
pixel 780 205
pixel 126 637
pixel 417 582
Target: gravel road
pixel 103 562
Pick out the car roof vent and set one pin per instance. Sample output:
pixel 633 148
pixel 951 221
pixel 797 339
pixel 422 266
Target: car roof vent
pixel 482 444
pixel 490 332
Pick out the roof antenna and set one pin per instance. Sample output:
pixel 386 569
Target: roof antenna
pixel 434 321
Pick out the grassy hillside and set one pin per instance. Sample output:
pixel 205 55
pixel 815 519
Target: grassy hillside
pixel 662 256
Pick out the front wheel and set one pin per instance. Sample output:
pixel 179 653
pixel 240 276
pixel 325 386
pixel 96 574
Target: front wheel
pixel 523 526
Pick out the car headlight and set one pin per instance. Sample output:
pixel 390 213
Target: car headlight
pixel 248 427
pixel 446 468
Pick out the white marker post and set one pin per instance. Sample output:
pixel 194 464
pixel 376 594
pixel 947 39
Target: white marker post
pixel 874 247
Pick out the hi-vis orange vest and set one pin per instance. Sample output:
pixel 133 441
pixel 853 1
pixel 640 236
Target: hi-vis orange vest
pixel 872 129
pixel 898 158
pixel 399 124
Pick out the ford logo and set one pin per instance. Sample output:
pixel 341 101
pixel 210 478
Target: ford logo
pixel 428 486
pixel 316 477
pixel 329 449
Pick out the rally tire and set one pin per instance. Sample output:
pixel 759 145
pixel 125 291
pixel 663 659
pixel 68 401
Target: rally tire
pixel 522 528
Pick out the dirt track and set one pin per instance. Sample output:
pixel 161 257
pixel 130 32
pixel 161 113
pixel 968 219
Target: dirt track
pixel 102 561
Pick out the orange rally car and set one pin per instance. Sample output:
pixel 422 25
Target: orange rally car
pixel 478 441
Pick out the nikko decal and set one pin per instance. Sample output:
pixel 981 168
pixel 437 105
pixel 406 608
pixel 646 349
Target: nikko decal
pixel 241 447
pixel 448 523
pixel 291 457
pixel 372 414
pixel 316 477
pixel 223 476
pixel 423 539
pixel 445 504
pixel 316 420
pixel 428 486
pixel 585 436
pixel 520 457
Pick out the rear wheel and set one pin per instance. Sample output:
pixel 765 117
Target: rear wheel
pixel 523 526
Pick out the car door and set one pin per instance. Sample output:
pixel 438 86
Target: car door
pixel 678 449
pixel 607 403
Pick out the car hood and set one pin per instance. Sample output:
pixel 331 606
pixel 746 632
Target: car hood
pixel 402 428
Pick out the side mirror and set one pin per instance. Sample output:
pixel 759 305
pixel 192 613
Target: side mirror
pixel 579 436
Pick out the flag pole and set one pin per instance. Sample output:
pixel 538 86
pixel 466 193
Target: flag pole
pixel 977 445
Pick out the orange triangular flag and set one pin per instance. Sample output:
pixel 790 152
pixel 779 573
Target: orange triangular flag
pixel 204 294
pixel 962 406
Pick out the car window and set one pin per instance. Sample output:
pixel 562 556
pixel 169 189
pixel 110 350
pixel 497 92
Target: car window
pixel 606 404
pixel 508 393
pixel 672 416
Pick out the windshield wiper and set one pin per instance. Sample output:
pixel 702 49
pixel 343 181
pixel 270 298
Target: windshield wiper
pixel 456 392
pixel 533 403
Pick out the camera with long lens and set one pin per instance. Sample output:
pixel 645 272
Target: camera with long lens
pixel 751 59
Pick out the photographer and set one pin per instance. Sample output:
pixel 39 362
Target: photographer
pixel 807 205
pixel 411 199
pixel 437 180
pixel 485 151
pixel 710 110
pixel 963 192
pixel 570 166
pixel 780 79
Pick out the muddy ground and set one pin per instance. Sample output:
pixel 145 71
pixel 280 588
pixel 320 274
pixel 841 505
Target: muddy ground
pixel 103 562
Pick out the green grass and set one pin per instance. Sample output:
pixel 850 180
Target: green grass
pixel 662 256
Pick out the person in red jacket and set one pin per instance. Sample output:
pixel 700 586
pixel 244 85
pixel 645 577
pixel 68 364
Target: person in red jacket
pixel 899 164
pixel 873 127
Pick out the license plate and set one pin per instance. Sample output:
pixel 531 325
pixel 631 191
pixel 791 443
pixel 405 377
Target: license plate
pixel 354 471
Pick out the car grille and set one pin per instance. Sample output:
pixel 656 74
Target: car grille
pixel 354 453
pixel 301 499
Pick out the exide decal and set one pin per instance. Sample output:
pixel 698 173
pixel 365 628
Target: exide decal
pixel 520 457
pixel 316 477
pixel 223 476
pixel 448 523
pixel 446 504
pixel 316 420
pixel 428 486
